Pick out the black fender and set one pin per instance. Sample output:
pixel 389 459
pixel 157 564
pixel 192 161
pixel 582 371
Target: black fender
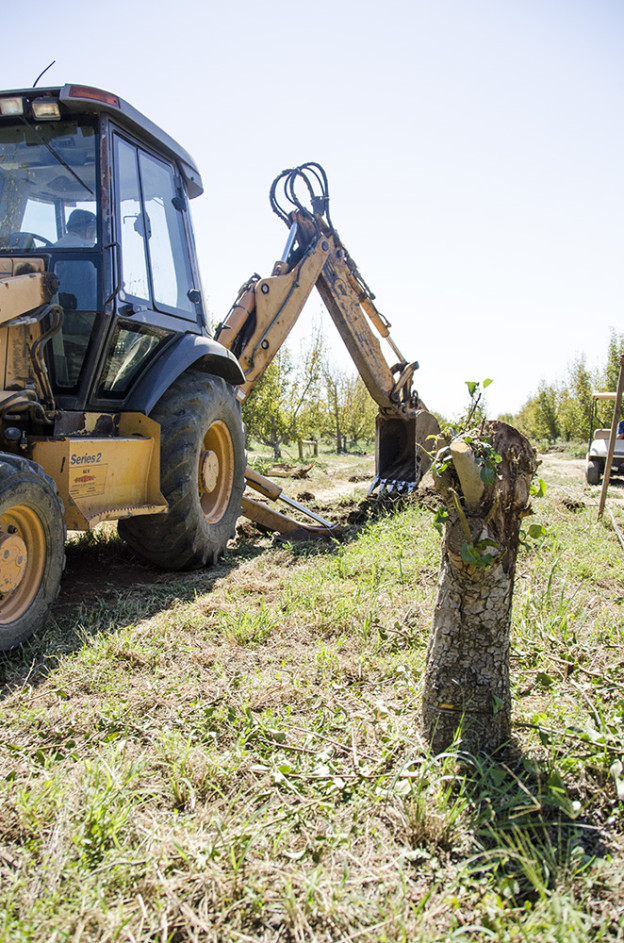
pixel 187 350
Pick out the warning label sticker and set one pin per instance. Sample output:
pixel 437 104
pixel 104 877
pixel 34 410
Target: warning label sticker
pixel 87 481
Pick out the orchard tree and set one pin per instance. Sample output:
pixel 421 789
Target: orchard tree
pixel 525 420
pixel 608 379
pixel 611 371
pixel 565 411
pixel 334 420
pixel 577 406
pixel 567 414
pixel 546 421
pixel 360 411
pixel 349 410
pixel 273 410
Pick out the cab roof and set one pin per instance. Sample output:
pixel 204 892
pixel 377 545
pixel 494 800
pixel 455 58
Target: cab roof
pixel 85 100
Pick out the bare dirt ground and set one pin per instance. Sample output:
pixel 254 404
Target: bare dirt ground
pixel 567 475
pixel 99 565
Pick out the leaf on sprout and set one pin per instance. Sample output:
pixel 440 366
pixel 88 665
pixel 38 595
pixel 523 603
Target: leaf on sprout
pixel 468 554
pixel 487 382
pixel 487 475
pixel 536 530
pixel 440 518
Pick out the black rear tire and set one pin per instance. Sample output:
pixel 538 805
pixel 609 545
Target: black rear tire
pixel 593 473
pixel 202 461
pixel 32 548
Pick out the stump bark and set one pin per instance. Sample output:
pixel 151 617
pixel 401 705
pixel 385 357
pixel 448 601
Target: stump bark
pixel 466 686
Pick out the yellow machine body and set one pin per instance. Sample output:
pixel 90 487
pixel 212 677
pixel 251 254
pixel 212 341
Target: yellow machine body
pixel 103 478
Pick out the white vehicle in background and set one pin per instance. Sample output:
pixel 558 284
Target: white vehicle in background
pixel 599 445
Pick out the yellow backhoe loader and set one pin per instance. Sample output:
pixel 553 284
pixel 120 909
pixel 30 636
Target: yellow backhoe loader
pixel 115 402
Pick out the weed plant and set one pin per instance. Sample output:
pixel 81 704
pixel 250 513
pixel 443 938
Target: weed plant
pixel 235 755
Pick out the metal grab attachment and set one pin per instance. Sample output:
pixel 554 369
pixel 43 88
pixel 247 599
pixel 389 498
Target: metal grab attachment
pixel 273 520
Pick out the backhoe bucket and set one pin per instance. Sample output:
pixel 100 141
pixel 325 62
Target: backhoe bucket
pixel 403 451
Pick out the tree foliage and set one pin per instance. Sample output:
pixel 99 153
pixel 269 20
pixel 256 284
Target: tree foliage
pixel 308 396
pixel 349 411
pixel 563 411
pixel 275 412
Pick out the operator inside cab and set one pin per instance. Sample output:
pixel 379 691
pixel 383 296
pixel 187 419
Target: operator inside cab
pixel 81 230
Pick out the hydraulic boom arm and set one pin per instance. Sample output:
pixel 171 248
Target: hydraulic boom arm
pixel 266 309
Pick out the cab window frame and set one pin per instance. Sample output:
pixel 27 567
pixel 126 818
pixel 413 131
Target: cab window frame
pixel 181 255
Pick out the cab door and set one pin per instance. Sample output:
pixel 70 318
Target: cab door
pixel 156 295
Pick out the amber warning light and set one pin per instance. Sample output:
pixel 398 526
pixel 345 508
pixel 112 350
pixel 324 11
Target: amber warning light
pixel 93 94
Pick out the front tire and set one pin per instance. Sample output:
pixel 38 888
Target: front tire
pixel 202 460
pixel 32 548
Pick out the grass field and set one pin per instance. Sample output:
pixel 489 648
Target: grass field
pixel 235 755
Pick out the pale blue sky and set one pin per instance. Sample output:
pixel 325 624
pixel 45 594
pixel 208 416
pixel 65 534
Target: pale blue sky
pixel 475 154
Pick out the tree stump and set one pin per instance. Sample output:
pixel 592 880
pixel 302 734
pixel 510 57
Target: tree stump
pixel 485 481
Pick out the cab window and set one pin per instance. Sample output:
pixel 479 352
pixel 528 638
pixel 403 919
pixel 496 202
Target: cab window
pixel 47 171
pixel 154 255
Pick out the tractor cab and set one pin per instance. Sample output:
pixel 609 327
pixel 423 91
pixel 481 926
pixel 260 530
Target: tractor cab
pixel 95 193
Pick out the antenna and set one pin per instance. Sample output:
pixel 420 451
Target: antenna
pixel 43 73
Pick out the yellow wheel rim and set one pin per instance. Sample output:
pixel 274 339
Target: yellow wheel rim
pixel 22 561
pixel 216 471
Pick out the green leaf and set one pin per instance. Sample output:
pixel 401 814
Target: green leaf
pixel 540 718
pixel 472 386
pixel 487 382
pixel 538 487
pixel 472 555
pixel 487 475
pixel 497 774
pixel 545 680
pixel 440 518
pixel 469 555
pixel 554 781
pixel 497 703
pixel 536 530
